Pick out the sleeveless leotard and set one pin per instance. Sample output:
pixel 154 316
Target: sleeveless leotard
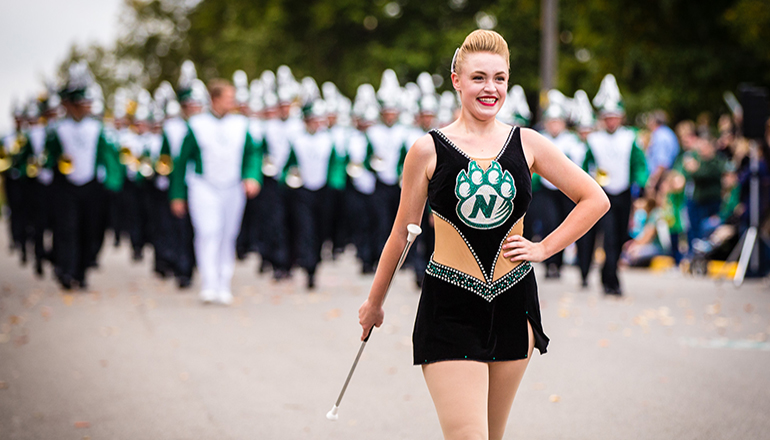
pixel 474 303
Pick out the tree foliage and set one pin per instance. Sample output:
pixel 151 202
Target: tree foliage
pixel 680 55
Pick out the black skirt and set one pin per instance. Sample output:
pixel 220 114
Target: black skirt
pixel 454 323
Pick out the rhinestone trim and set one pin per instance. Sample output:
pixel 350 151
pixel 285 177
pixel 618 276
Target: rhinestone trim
pixel 488 291
pixel 446 139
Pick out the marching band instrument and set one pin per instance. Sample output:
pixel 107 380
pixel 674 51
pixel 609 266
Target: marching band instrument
pixel 65 164
pixel 144 167
pixel 354 170
pixel 293 178
pixel 268 167
pixel 33 167
pixel 602 177
pixel 165 165
pixel 5 160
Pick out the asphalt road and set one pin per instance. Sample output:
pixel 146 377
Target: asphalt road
pixel 134 358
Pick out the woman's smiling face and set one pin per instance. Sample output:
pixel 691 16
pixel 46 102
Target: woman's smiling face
pixel 482 81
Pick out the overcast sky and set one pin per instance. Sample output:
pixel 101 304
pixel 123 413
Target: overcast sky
pixel 35 36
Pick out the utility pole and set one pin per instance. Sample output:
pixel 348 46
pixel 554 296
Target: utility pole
pixel 548 46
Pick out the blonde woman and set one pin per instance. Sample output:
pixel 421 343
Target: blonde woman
pixel 478 320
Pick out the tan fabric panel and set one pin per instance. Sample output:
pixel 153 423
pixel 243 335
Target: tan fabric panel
pixel 452 251
pixel 484 163
pixel 504 265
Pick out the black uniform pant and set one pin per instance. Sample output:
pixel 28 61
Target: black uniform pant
pixel 385 199
pixel 309 216
pixel 361 211
pixel 17 191
pixel 556 207
pixel 79 224
pixel 43 200
pixel 182 245
pixel 135 215
pixel 273 224
pixel 248 238
pixel 161 228
pixel 614 227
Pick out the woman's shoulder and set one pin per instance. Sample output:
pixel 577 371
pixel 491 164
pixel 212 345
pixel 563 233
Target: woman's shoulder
pixel 424 146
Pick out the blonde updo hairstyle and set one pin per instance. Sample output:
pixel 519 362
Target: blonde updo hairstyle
pixel 481 40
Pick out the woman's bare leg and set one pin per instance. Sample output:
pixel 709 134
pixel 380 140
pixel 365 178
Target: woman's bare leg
pixel 460 390
pixel 504 380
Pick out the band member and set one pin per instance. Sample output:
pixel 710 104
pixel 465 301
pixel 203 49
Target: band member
pixel 617 163
pixel 225 169
pixel 75 149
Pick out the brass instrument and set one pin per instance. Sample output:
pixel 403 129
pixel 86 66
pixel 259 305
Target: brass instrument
pixel 354 170
pixel 293 178
pixel 268 167
pixel 602 177
pixel 65 164
pixel 18 144
pixel 145 167
pixel 128 159
pixel 33 167
pixel 5 160
pixel 165 165
pixel 377 163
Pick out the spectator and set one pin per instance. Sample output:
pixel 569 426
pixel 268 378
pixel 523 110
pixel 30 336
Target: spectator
pixel 703 167
pixel 663 148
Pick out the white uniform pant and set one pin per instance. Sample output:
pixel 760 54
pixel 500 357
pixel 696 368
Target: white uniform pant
pixel 216 215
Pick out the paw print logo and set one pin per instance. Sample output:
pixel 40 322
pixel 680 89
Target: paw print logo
pixel 485 197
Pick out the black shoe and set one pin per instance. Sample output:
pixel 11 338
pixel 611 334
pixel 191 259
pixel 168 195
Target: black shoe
pixel 367 269
pixel 66 282
pixel 39 268
pixel 281 274
pixel 184 282
pixel 584 284
pixel 311 281
pixel 137 256
pixel 615 291
pixel 553 271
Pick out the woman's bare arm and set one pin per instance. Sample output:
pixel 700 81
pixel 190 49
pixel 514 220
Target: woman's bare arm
pixel 418 168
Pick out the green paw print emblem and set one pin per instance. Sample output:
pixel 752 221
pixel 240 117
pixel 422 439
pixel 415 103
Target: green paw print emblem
pixel 486 197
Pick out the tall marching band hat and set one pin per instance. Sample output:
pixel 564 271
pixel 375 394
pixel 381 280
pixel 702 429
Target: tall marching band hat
pixel 95 96
pixel 120 103
pixel 389 93
pixel 446 107
pixel 77 83
pixel 332 97
pixel 33 110
pixel 582 113
pixel 342 109
pixel 410 102
pixel 189 87
pixel 365 99
pixel 608 100
pixel 429 101
pixel 165 97
pixel 256 94
pixel 558 106
pixel 143 111
pixel 309 91
pixel 241 83
pixel 288 87
pixel 520 113
pixel 315 108
pixel 52 100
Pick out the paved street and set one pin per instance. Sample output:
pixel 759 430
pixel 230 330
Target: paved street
pixel 134 358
